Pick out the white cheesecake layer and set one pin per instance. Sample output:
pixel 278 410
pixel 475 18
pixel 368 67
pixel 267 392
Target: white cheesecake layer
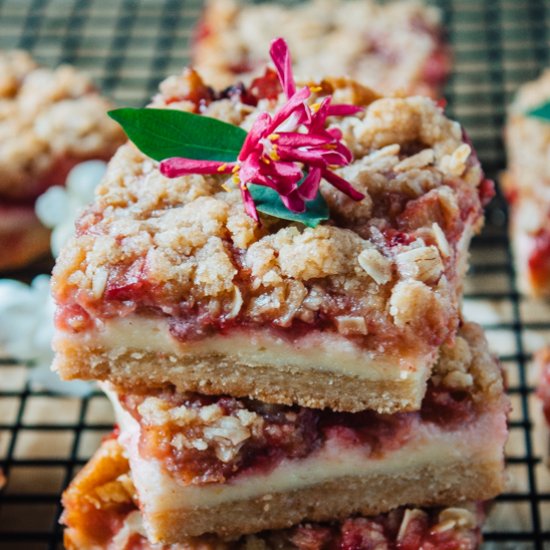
pixel 317 350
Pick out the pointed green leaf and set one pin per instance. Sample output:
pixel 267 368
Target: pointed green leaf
pixel 542 111
pixel 167 133
pixel 269 202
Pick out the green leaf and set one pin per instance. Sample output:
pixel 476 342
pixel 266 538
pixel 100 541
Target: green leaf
pixel 167 133
pixel 269 202
pixel 542 111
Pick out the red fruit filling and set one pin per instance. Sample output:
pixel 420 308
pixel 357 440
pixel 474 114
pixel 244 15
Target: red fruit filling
pixel 284 432
pixel 385 531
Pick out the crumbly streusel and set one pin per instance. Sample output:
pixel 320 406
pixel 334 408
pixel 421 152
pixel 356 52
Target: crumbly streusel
pixel 384 267
pixel 393 47
pixel 48 118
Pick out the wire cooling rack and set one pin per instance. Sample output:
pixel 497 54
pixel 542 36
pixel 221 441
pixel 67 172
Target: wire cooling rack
pixel 128 46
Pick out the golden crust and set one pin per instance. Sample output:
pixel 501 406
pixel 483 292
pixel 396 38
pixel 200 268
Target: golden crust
pixel 136 370
pixel 216 376
pixel 433 485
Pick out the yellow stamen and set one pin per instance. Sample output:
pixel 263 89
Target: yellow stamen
pixel 235 179
pixel 226 187
pixel 315 107
pixel 235 169
pixel 273 154
pixel 274 137
pixel 315 89
pixel 222 168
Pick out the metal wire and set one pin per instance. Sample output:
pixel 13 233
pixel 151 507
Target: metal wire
pixel 128 46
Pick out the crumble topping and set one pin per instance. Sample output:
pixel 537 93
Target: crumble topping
pixel 463 365
pixel 46 117
pixel 203 428
pixel 400 46
pixel 184 247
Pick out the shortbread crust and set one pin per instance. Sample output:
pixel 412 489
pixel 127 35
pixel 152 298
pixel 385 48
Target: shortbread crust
pixel 460 460
pixel 101 511
pixel 384 274
pixel 397 47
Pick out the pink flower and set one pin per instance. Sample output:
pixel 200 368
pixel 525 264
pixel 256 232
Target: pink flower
pixel 281 147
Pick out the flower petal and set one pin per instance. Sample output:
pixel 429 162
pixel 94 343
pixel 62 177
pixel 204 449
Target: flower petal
pixel 344 110
pixel 342 185
pixel 295 139
pixel 294 202
pixel 177 166
pixel 249 206
pixel 280 54
pixel 310 185
pixel 295 103
pixel 259 130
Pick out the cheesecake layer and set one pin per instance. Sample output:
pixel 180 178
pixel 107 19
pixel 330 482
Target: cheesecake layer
pixel 382 276
pixel 137 353
pixel 100 511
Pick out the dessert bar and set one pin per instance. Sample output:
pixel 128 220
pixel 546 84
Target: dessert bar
pixel 49 121
pixel 527 185
pixel 101 511
pixel 396 47
pixel 233 466
pixel 169 281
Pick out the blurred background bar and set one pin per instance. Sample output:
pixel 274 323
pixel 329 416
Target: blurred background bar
pixel 128 46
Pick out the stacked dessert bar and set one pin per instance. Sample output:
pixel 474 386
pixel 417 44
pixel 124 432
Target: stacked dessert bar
pixel 275 374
